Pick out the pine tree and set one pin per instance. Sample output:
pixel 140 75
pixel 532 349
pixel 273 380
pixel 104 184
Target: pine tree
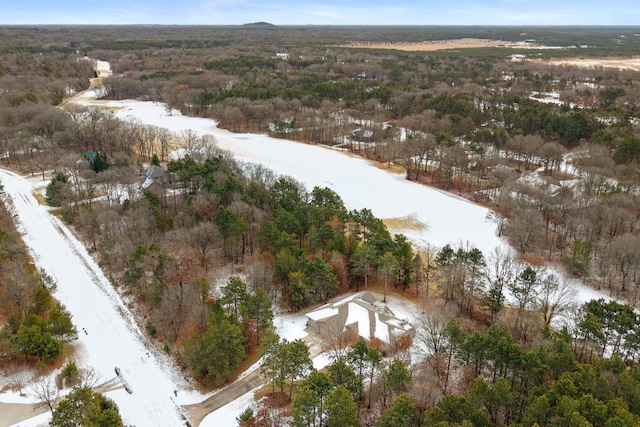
pixel 397 377
pixel 58 191
pixel 258 308
pixel 214 355
pixel 401 413
pixel 341 410
pixel 306 408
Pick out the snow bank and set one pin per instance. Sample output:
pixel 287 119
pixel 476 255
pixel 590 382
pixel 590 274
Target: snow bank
pixel 291 326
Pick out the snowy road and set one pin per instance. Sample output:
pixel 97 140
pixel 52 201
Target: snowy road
pixel 112 337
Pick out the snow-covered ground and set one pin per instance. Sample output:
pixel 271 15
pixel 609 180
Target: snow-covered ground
pixel 228 414
pixel 112 337
pixel 446 218
pixel 114 340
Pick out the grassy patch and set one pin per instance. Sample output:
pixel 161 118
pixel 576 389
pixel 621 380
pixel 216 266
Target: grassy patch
pixel 409 222
pixel 40 198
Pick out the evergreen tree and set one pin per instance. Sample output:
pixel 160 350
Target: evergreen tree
pixel 99 162
pixel 41 301
pixel 341 410
pixel 397 377
pixel 34 339
pixel 214 355
pixel 60 324
pixel 234 295
pixel 341 373
pixel 287 361
pixel 84 407
pixel 58 192
pixel 401 413
pixel 306 409
pixel 258 308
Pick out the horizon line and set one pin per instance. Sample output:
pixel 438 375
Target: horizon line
pixel 267 25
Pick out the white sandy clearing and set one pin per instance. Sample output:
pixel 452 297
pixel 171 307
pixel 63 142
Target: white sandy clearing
pixel 463 43
pixel 618 63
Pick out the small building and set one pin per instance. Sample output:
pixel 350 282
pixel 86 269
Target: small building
pixel 94 160
pixel 362 315
pixel 154 176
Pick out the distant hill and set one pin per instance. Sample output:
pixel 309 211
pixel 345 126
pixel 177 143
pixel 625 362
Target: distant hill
pixel 259 25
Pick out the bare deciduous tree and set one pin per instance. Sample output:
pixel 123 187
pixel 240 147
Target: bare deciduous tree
pixel 46 391
pixel 557 295
pixel 88 377
pixel 204 237
pixel 430 328
pixel 499 272
pixel 18 375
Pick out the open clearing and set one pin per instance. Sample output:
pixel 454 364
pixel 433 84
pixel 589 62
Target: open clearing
pixel 433 45
pixel 619 63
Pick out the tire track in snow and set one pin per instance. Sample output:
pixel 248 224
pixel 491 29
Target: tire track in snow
pixel 113 338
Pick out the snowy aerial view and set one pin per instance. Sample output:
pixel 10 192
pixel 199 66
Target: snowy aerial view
pixel 99 310
pixel 286 225
pixel 447 219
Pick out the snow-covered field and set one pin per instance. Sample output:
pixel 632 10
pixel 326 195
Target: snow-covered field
pixel 112 337
pixel 447 218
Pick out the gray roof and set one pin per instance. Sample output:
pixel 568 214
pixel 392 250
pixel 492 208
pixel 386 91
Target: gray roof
pixel 153 174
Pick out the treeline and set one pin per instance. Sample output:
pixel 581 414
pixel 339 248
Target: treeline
pixel 33 325
pixel 29 79
pixel 611 40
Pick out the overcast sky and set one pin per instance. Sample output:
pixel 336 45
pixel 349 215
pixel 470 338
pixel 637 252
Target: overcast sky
pixel 337 12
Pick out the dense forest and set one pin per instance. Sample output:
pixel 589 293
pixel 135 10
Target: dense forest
pixel 561 176
pixel 563 140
